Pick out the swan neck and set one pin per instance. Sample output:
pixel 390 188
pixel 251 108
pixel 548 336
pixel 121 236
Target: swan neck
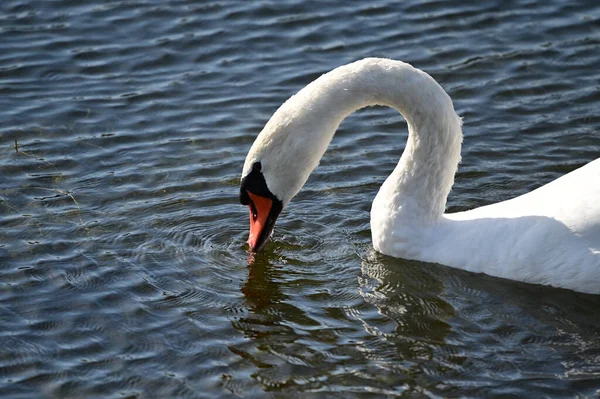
pixel 297 135
pixel 419 185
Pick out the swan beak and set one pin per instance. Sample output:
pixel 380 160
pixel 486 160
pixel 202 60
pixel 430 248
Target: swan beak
pixel 262 220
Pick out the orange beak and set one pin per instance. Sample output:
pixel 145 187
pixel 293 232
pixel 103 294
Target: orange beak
pixel 261 221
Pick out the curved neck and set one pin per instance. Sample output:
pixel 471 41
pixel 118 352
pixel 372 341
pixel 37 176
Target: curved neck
pixel 420 183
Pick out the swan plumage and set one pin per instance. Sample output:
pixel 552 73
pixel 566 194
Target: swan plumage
pixel 548 236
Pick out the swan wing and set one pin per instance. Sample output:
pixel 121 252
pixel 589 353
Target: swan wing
pixel 573 200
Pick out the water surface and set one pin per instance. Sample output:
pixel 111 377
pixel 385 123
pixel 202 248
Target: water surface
pixel 123 269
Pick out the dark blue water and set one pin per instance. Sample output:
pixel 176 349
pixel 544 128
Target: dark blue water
pixel 123 129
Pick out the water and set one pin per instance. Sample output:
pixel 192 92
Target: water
pixel 122 244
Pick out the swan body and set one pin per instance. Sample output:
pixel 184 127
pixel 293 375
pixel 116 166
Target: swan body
pixel 549 236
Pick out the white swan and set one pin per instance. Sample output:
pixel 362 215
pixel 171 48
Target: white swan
pixel 548 236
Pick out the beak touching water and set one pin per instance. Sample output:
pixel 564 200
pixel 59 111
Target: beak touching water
pixel 263 214
pixel 264 206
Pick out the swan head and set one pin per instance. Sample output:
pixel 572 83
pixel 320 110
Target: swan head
pixel 276 167
pixel 269 182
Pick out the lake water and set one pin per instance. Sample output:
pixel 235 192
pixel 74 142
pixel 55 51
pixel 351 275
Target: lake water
pixel 123 265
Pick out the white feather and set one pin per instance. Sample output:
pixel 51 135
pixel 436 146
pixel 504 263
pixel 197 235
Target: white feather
pixel 548 236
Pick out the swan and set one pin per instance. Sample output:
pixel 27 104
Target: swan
pixel 549 236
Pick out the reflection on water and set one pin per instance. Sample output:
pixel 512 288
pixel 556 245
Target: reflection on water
pixel 415 328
